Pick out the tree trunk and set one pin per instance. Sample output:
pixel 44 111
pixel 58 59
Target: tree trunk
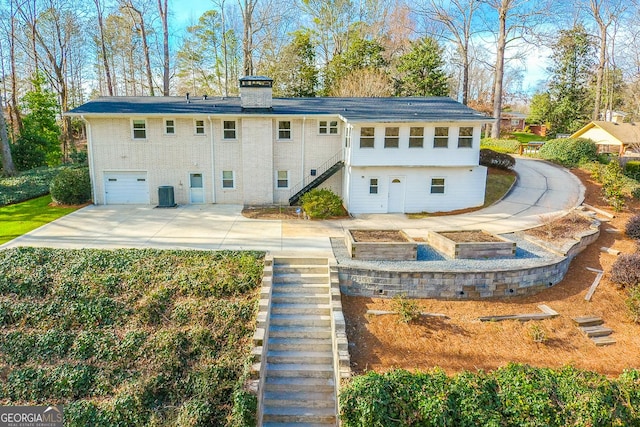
pixel 465 76
pixel 7 161
pixel 145 46
pixel 499 72
pixel 103 48
pixel 15 109
pixel 162 8
pixel 602 61
pixel 247 40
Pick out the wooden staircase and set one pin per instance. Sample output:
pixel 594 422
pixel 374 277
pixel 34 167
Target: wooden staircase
pixel 299 376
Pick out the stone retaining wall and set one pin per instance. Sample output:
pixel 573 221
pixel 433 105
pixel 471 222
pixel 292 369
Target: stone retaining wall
pixel 375 282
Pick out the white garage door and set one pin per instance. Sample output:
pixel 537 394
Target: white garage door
pixel 126 188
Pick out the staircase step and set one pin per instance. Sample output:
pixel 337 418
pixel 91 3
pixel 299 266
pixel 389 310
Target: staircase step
pixel 302 400
pixel 300 320
pixel 300 308
pixel 596 331
pixel 300 278
pixel 303 416
pixel 301 268
pixel 601 341
pixel 299 344
pixel 299 370
pixel 280 297
pixel 321 333
pixel 302 288
pixel 299 384
pixel 588 320
pixel 294 424
pixel 309 357
pixel 289 261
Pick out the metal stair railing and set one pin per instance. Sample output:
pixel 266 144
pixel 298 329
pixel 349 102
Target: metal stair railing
pixel 324 171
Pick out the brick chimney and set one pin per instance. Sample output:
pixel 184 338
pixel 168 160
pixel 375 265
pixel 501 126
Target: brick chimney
pixel 256 92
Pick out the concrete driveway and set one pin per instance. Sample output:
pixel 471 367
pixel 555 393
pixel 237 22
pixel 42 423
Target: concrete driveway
pixel 543 191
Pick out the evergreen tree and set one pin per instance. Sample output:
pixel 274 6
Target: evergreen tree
pixel 295 73
pixel 421 70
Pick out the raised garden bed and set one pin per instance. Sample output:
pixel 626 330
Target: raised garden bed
pixel 471 244
pixel 388 245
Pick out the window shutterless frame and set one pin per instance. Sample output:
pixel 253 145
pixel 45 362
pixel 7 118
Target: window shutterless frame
pixel 229 129
pixel 139 129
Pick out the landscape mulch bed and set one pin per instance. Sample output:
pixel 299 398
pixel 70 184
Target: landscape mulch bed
pixel 461 342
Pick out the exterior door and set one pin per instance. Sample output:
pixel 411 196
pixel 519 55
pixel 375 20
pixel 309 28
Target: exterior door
pixel 396 194
pixel 196 188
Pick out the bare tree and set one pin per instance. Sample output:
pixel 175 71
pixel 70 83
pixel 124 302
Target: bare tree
pixel 458 17
pixel 8 167
pixel 163 11
pixel 103 47
pixel 247 7
pixel 137 15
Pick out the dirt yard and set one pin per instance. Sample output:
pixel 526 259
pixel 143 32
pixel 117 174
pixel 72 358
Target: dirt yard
pixel 461 342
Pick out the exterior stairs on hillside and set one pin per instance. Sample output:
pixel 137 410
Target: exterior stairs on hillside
pixel 299 373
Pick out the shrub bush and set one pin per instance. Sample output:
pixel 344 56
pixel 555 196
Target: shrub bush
pixel 625 271
pixel 632 169
pixel 494 159
pixel 408 310
pixel 632 228
pixel 322 203
pixel 569 152
pixel 501 145
pixel 71 187
pixel 613 185
pixel 27 185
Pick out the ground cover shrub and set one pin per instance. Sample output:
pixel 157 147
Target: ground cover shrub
pixel 501 145
pixel 632 227
pixel 95 331
pixel 26 185
pixel 408 310
pixel 321 203
pixel 625 270
pixel 569 152
pixel 490 158
pixel 516 395
pixel 71 186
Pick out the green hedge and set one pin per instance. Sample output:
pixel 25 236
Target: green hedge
pixel 569 152
pixel 632 169
pixel 71 186
pixel 129 337
pixel 501 145
pixel 27 185
pixel 516 395
pixel 321 203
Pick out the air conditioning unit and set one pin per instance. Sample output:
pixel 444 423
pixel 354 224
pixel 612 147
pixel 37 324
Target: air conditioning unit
pixel 165 197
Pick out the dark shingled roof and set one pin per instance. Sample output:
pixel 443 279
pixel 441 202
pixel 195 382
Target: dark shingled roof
pixel 394 109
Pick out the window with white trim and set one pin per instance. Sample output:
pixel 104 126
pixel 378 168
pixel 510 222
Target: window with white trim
pixel 139 128
pixel 465 137
pixel 227 179
pixel 199 127
pixel 367 137
pixel 437 185
pixel 441 138
pixel 328 127
pixel 416 137
pixel 169 127
pixel 284 129
pixel 283 179
pixel 373 185
pixel 229 129
pixel 391 137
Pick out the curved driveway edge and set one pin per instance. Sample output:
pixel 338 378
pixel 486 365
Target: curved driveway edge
pixel 543 191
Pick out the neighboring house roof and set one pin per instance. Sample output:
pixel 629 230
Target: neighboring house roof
pixel 513 115
pixel 393 109
pixel 621 133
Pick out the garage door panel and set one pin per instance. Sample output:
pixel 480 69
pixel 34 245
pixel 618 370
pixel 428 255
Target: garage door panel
pixel 126 188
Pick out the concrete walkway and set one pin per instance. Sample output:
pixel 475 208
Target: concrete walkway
pixel 543 191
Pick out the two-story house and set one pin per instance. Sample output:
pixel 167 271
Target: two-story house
pixel 379 154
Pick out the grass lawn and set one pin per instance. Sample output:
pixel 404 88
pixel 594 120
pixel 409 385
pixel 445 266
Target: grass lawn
pixel 18 219
pixel 525 137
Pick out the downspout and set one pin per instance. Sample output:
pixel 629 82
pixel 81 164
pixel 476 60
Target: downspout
pixel 302 174
pixel 92 168
pixel 213 163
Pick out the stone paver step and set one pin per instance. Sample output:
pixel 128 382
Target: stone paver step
pixel 300 278
pixel 601 341
pixel 304 416
pixel 279 297
pixel 302 288
pixel 299 370
pixel 318 332
pixel 596 331
pixel 285 424
pixel 303 400
pixel 300 308
pixel 588 320
pixel 294 384
pixel 297 356
pixel 288 261
pixel 288 269
pixel 303 344
pixel 300 320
